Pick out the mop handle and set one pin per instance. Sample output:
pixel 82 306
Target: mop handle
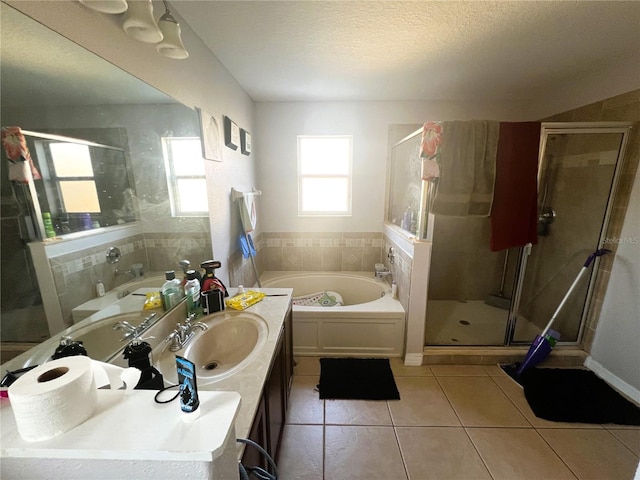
pixel 591 258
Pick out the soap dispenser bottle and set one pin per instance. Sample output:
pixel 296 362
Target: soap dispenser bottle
pixel 210 281
pixel 171 291
pixel 192 292
pixel 186 266
pixel 407 217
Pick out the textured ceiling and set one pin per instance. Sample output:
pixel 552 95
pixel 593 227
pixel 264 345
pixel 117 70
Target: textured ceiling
pixel 409 50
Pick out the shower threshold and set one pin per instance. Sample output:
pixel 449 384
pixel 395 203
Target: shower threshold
pixel 561 356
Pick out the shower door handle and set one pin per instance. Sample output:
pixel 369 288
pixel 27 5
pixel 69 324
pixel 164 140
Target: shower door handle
pixel 547 216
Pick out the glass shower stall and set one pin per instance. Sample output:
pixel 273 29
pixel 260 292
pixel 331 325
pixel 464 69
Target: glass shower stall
pixel 477 297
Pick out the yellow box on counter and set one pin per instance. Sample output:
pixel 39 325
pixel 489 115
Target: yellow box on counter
pixel 244 300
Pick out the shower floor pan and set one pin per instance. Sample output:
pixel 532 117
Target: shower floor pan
pixel 473 322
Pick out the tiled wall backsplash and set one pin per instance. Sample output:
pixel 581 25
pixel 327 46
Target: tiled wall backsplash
pixel 76 274
pixel 321 251
pixel 400 269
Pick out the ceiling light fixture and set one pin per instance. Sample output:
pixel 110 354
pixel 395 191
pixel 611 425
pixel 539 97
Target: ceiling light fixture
pixel 106 6
pixel 171 46
pixel 139 23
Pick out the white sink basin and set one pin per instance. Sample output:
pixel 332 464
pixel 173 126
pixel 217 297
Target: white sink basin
pixel 230 342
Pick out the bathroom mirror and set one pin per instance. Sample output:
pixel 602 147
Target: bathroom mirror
pixel 53 86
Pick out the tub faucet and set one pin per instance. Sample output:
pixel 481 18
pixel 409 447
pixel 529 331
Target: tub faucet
pixel 183 333
pixel 381 271
pixel 136 271
pixel 383 274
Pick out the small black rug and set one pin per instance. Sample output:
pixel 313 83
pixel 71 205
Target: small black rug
pixel 575 395
pixel 357 379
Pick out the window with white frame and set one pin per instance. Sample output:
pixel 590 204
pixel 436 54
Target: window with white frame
pixel 73 172
pixel 185 176
pixel 324 175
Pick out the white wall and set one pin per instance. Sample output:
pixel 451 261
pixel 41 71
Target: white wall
pixel 616 345
pixel 200 80
pixel 278 124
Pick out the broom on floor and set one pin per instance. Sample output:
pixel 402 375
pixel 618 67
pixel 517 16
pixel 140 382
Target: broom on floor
pixel 544 343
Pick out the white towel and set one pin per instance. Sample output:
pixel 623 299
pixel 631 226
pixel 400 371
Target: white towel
pixel 248 212
pixel 467 168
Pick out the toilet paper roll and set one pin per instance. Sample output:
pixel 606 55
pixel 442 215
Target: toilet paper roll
pixel 53 398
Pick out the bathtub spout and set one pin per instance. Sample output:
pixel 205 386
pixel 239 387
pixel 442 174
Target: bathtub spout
pixel 383 274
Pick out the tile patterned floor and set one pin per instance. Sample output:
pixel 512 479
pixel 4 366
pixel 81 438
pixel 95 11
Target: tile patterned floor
pixel 452 422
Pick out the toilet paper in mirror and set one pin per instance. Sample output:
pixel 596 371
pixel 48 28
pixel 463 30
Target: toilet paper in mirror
pixel 59 395
pixel 115 378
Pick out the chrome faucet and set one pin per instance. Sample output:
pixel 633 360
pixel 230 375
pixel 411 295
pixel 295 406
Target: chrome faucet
pixel 381 271
pixel 136 271
pixel 132 331
pixel 183 333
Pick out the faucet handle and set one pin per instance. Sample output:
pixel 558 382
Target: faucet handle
pixel 145 323
pixel 190 318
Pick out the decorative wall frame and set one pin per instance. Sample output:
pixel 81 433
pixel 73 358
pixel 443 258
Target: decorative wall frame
pixel 245 142
pixel 231 134
pixel 210 136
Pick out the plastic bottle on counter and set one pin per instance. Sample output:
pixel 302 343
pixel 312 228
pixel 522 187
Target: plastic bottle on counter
pixel 85 219
pixel 48 225
pixel 100 288
pixel 407 217
pixel 171 290
pixel 192 292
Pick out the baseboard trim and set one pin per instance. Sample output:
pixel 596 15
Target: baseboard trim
pixel 612 379
pixel 413 360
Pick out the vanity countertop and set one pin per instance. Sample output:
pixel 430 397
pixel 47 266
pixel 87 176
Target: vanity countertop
pixel 130 436
pixel 248 382
pixel 155 432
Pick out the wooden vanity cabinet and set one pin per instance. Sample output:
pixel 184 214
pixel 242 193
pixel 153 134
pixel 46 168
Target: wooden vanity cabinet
pixel 270 417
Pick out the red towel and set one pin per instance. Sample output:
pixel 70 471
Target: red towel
pixel 514 211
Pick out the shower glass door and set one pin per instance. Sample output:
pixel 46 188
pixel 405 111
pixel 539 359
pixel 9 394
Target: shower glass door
pixel 575 184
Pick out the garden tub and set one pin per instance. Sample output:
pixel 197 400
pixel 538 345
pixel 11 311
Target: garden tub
pixel 370 323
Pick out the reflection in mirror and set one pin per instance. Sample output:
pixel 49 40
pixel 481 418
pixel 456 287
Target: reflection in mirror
pixel 134 156
pixel 84 185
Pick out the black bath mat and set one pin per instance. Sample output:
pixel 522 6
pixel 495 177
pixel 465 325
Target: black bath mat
pixel 574 395
pixel 357 379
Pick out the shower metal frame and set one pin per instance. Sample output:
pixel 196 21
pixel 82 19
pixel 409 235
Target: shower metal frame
pixel 554 128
